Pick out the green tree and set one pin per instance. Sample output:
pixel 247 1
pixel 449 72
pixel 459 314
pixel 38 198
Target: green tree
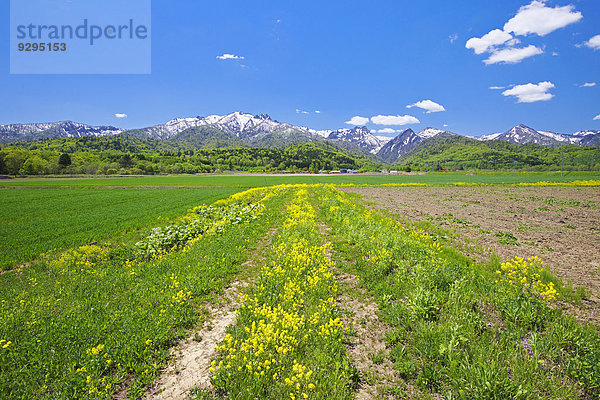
pixel 64 160
pixel 34 166
pixel 14 160
pixel 125 161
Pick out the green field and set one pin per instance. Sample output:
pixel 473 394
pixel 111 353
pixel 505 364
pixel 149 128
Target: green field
pixel 245 181
pixel 55 213
pixel 100 321
pixel 34 221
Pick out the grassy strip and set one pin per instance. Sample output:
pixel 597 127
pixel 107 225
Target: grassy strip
pixel 82 325
pixel 34 221
pixel 464 330
pixel 247 181
pixel 287 342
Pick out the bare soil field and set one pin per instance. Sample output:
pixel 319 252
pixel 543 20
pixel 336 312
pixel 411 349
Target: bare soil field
pixel 561 225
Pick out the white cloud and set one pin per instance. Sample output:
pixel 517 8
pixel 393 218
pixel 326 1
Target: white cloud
pixel 488 41
pixel 119 115
pixel 531 92
pixel 357 121
pixel 497 87
pixel 554 53
pixel 593 43
pixel 428 105
pixel 534 18
pixel 317 112
pixel 453 37
pixel 227 56
pixel 597 117
pixel 299 111
pixel 513 55
pixel 394 120
pixel 538 19
pixel 588 84
pixel 387 130
pixel 445 125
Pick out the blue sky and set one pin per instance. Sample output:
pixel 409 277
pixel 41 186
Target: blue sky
pixel 344 59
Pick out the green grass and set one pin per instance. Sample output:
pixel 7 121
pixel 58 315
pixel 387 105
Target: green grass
pixel 97 318
pixel 34 221
pixel 458 329
pixel 241 180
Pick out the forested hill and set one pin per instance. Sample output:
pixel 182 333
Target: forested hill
pixel 131 155
pixel 459 152
pixel 206 150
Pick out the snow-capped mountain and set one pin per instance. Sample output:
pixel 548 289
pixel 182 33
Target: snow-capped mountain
pixel 399 145
pixel 588 138
pixel 359 135
pixel 252 128
pixel 406 141
pixel 561 137
pixel 522 134
pixel 28 132
pixel 238 124
pixel 582 134
pixel 261 130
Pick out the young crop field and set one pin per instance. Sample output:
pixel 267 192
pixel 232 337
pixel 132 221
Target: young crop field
pixel 33 221
pixel 292 291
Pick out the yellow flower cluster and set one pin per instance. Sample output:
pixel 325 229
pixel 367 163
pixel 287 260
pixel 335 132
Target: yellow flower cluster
pixel 291 310
pixel 299 211
pixel 180 296
pixel 82 259
pixel 464 184
pixel 94 351
pixel 590 182
pixel 526 275
pixel 572 183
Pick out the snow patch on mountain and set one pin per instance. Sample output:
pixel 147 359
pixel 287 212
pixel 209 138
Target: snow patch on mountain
pixel 429 133
pixel 384 139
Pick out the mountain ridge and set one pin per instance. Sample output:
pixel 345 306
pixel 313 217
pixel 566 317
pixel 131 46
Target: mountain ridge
pixel 260 130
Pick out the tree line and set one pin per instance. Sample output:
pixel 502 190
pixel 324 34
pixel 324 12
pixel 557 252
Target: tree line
pixel 17 160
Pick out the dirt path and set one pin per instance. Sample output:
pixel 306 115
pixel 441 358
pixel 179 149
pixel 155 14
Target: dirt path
pixel 366 346
pixel 190 360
